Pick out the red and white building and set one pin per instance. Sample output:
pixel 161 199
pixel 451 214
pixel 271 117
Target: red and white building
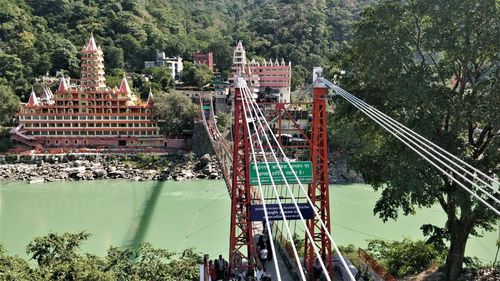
pixel 86 113
pixel 204 58
pixel 262 77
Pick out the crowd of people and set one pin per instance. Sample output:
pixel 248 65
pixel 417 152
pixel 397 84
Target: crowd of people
pixel 218 269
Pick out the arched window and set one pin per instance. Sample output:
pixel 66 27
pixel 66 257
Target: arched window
pixel 89 111
pixel 70 110
pixel 69 96
pixel 109 111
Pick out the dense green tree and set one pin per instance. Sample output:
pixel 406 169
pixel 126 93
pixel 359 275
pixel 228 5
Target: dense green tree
pixel 160 78
pixel 196 75
pixel 223 54
pixel 113 57
pixel 222 121
pixel 175 112
pixel 433 66
pixel 8 106
pixel 299 74
pixel 406 257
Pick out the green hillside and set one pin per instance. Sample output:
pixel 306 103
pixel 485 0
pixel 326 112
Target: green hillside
pixel 37 37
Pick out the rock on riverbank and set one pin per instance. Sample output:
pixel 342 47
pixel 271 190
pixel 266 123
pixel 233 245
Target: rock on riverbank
pixel 77 167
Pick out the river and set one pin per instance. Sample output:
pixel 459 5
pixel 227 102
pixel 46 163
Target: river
pixel 177 215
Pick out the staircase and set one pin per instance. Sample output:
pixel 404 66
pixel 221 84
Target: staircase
pixel 18 134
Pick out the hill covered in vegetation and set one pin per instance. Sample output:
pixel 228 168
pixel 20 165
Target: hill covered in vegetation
pixel 39 37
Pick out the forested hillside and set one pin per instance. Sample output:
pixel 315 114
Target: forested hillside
pixel 37 37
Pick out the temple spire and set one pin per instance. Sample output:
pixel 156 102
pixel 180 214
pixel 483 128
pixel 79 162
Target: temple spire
pixel 150 97
pixel 33 100
pixel 62 85
pixel 91 46
pixel 124 87
pixel 239 56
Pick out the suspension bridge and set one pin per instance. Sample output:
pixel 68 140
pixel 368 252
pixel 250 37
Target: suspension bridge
pixel 274 158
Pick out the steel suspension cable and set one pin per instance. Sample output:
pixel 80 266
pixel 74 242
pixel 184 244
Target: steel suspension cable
pixel 266 215
pixel 422 149
pixel 248 97
pixel 422 139
pixel 395 134
pixel 257 109
pixel 242 85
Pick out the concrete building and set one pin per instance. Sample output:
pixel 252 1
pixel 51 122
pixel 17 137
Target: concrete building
pixel 204 58
pixel 271 78
pixel 174 63
pixel 86 113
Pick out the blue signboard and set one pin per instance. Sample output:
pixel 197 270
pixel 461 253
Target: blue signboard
pixel 274 212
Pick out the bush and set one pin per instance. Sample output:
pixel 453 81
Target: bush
pixel 11 159
pixel 58 257
pixel 406 257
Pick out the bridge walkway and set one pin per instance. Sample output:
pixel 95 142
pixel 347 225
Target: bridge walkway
pixel 286 275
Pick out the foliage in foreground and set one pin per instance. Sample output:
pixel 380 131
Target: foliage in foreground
pixel 433 66
pixel 58 257
pixel 407 257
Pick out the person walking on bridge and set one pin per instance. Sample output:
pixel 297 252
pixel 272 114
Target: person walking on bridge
pixel 263 257
pixel 220 267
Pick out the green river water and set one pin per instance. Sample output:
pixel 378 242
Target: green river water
pixel 178 215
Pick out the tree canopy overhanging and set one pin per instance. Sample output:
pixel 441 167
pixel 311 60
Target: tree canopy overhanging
pixel 433 66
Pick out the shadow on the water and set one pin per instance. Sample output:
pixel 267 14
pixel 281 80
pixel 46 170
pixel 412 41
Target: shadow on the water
pixel 140 224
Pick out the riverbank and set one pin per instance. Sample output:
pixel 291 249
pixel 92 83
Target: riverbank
pixel 75 167
pixel 140 167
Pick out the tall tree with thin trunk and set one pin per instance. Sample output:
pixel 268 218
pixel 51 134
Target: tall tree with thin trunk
pixel 433 65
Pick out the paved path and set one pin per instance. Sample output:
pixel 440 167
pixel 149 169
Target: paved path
pixel 271 269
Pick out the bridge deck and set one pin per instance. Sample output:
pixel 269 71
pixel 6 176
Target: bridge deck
pixel 271 269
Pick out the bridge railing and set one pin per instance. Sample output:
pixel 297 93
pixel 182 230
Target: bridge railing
pixel 221 146
pixel 376 271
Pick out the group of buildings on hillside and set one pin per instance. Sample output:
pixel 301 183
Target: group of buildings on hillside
pixel 86 112
pixel 176 65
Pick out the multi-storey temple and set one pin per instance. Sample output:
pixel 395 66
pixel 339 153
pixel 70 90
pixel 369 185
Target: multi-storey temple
pixel 270 76
pixel 87 113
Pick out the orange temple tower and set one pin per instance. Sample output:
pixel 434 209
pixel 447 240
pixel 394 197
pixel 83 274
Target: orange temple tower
pixel 87 113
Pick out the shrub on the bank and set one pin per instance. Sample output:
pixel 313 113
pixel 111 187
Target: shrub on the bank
pixel 407 257
pixel 10 159
pixel 5 144
pixel 25 158
pixel 58 257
